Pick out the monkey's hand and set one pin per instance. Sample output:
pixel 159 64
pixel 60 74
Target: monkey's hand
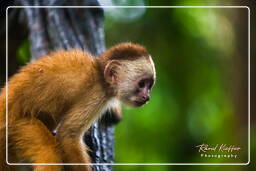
pixel 112 116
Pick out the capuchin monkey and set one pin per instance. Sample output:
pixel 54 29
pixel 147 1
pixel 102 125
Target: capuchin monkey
pixel 68 91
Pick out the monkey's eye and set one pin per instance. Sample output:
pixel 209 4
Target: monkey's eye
pixel 142 83
pixel 151 82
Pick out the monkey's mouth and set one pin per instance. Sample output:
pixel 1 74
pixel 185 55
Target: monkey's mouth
pixel 139 103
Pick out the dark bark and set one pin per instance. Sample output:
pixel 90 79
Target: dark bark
pixel 64 28
pixel 15 38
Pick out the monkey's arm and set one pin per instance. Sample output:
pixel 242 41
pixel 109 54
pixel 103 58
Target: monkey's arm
pixel 72 128
pixel 69 135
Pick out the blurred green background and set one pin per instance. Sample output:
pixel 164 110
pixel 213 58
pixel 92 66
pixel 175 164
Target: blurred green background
pixel 201 92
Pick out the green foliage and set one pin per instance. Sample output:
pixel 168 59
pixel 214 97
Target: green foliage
pixel 23 53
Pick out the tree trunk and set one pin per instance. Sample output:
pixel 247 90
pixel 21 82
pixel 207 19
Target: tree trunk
pixel 50 29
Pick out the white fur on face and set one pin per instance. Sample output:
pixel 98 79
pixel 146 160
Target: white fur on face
pixel 153 66
pixel 140 67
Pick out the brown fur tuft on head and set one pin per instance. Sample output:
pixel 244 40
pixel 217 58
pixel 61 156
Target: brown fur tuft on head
pixel 125 51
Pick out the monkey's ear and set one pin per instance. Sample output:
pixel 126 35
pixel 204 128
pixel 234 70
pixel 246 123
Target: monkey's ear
pixel 111 71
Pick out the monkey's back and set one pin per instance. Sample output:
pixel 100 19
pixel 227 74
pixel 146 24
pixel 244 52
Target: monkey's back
pixel 50 85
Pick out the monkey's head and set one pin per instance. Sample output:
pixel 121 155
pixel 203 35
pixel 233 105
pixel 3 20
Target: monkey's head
pixel 130 72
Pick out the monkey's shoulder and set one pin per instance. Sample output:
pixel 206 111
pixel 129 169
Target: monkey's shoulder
pixel 68 59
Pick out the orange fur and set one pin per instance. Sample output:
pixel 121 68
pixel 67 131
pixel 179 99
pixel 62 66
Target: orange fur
pixel 65 89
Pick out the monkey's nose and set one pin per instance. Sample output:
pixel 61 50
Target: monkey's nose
pixel 146 98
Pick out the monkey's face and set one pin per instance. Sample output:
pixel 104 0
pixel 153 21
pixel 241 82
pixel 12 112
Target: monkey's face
pixel 132 80
pixel 139 92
